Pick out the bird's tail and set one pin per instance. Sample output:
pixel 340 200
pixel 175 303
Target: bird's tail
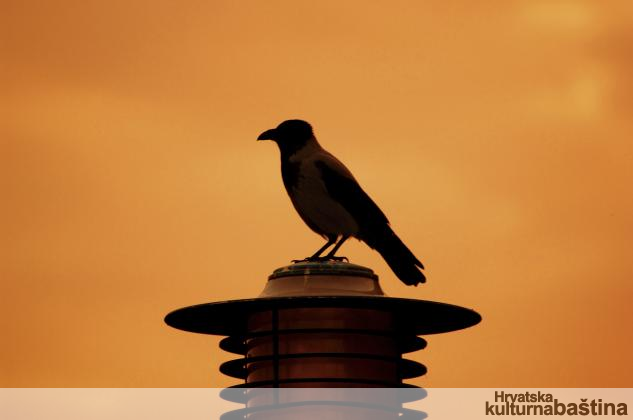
pixel 399 258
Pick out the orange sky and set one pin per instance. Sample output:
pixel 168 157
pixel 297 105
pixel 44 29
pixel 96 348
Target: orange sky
pixel 496 136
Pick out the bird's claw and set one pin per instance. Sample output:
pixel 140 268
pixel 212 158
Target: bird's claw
pixel 322 259
pixel 339 259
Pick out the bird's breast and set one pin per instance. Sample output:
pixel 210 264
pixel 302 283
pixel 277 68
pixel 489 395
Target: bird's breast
pixel 290 174
pixel 309 195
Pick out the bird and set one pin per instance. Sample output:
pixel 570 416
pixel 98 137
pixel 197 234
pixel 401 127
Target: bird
pixel 332 203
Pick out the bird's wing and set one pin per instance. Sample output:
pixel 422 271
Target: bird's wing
pixel 343 188
pixel 373 226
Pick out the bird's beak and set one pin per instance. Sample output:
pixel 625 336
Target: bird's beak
pixel 268 135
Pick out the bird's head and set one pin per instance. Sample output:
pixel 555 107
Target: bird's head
pixel 290 135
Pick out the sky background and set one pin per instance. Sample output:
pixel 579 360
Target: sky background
pixel 497 137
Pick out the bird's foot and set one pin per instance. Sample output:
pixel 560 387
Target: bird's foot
pixel 338 259
pixel 322 259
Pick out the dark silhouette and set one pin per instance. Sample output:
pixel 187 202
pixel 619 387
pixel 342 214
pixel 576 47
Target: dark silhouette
pixel 331 202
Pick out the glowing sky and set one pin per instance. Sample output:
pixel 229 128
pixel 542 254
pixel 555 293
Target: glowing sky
pixel 497 137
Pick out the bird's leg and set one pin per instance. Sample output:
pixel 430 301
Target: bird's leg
pixel 330 255
pixel 317 255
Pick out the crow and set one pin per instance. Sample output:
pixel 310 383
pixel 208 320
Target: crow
pixel 330 201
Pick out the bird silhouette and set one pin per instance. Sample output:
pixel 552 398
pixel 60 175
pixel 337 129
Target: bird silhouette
pixel 332 203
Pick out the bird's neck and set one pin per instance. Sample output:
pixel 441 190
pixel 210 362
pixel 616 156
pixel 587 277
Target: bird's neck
pixel 301 151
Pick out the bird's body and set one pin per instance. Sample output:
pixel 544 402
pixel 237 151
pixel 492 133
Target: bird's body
pixel 310 196
pixel 332 203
